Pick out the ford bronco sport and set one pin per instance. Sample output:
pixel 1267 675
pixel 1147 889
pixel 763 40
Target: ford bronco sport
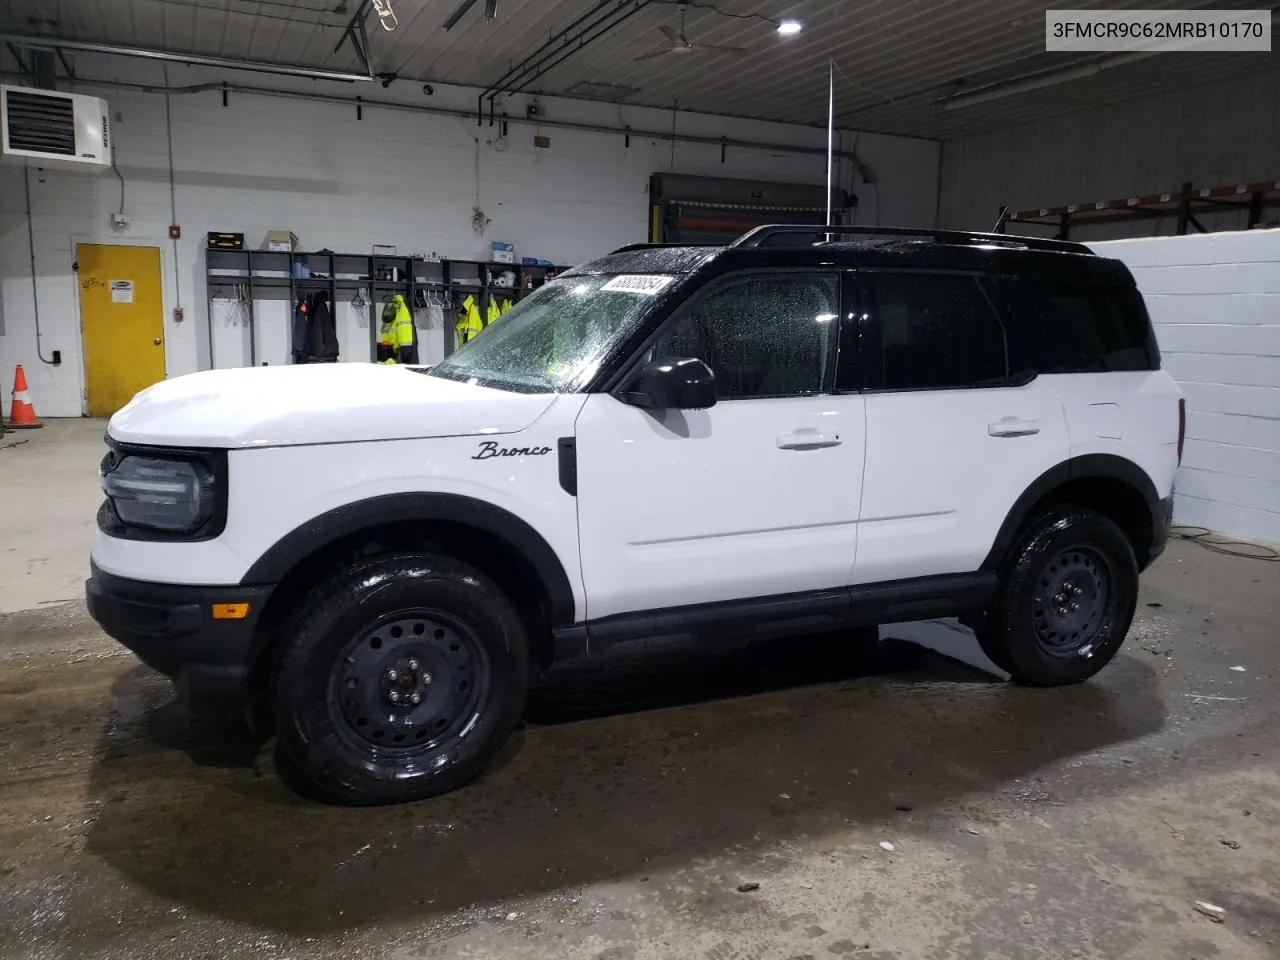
pixel 796 432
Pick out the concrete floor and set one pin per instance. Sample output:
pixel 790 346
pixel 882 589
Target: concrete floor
pixel 1025 824
pixel 49 485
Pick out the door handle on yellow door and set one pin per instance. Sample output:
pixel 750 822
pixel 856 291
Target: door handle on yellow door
pixel 157 341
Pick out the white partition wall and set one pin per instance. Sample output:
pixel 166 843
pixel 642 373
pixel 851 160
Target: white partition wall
pixel 1215 303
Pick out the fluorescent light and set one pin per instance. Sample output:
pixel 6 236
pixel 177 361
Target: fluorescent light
pixel 789 28
pixel 1001 90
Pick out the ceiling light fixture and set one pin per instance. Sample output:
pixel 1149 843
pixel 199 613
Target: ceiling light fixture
pixel 789 28
pixel 1000 91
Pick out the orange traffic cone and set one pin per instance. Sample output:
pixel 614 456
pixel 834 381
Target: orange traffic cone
pixel 22 415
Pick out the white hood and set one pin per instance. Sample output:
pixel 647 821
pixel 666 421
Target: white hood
pixel 317 403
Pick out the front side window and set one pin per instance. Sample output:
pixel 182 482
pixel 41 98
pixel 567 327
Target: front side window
pixel 555 338
pixel 936 331
pixel 763 336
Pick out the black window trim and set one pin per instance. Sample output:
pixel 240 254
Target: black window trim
pixel 618 382
pixel 869 331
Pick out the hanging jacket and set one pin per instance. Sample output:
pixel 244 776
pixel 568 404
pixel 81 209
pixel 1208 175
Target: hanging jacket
pixel 398 338
pixel 314 337
pixel 468 324
pixel 301 321
pixel 494 311
pixel 323 339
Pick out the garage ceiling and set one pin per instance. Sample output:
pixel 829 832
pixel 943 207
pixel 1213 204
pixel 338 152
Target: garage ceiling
pixel 897 59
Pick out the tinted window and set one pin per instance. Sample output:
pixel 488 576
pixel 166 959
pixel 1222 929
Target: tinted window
pixel 1078 328
pixel 768 336
pixel 935 331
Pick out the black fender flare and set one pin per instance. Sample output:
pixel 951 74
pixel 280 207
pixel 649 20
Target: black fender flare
pixel 327 528
pixel 1106 465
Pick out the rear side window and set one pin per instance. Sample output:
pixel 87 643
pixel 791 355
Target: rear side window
pixel 1078 327
pixel 935 331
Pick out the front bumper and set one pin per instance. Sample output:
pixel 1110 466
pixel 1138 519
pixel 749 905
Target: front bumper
pixel 172 629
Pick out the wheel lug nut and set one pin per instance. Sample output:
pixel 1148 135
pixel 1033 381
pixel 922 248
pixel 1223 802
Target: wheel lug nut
pixel 395 697
pixel 416 699
pixel 1074 605
pixel 426 678
pixel 393 674
pixel 413 664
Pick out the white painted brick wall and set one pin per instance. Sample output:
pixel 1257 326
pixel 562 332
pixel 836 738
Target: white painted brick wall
pixel 407 179
pixel 1215 304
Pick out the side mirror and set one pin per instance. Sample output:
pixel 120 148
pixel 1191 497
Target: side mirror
pixel 672 384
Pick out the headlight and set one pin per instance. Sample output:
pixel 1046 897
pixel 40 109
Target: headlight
pixel 170 495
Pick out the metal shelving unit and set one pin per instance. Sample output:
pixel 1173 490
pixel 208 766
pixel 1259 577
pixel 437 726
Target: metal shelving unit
pixel 261 273
pixel 1250 198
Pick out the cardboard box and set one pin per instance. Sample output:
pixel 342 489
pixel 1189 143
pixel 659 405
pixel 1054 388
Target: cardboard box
pixel 504 256
pixel 281 241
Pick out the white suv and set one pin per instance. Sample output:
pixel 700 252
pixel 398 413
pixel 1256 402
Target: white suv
pixel 778 436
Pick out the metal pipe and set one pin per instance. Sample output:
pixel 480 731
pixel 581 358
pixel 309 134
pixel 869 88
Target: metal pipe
pixel 458 14
pixel 562 44
pixel 191 59
pixel 468 115
pixel 31 248
pixel 601 27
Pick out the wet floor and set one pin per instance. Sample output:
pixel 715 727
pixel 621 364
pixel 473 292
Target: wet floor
pixel 645 789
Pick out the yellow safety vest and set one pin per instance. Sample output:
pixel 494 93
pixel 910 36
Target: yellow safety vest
pixel 495 310
pixel 398 332
pixel 468 324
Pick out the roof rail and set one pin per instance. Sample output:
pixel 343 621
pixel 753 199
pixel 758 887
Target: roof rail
pixel 760 235
pixel 658 246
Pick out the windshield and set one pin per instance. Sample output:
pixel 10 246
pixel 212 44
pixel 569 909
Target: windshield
pixel 556 336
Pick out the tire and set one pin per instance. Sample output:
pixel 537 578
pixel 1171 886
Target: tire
pixel 1065 599
pixel 365 644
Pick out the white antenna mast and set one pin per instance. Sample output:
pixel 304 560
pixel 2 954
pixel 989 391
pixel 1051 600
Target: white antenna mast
pixel 831 132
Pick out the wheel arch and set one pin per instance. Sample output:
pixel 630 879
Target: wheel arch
pixel 490 538
pixel 350 519
pixel 1117 487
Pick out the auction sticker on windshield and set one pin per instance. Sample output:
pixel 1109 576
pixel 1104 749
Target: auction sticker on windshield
pixel 634 283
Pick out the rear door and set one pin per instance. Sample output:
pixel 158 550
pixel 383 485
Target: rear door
pixel 953 439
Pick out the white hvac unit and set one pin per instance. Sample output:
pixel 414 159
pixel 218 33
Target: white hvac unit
pixel 65 131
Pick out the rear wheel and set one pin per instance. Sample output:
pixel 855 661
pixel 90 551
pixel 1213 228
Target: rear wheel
pixel 402 678
pixel 1065 601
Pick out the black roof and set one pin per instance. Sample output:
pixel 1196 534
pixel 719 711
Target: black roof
pixel 872 248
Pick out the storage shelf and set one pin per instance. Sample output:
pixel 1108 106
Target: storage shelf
pixel 226 268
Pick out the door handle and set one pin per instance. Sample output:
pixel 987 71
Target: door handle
pixel 807 439
pixel 1013 427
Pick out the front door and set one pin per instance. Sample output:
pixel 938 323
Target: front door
pixel 757 496
pixel 122 323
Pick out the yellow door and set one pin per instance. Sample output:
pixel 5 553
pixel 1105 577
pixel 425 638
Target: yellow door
pixel 122 321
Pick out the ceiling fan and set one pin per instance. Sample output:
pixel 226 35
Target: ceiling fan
pixel 681 45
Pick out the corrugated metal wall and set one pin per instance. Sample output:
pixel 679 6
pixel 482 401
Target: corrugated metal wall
pixel 1220 133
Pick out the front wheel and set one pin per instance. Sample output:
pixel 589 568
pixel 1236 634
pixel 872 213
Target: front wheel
pixel 1067 595
pixel 402 678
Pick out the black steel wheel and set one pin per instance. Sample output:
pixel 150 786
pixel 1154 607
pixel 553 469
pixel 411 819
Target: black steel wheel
pixel 410 682
pixel 1065 600
pixel 1071 601
pixel 402 678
